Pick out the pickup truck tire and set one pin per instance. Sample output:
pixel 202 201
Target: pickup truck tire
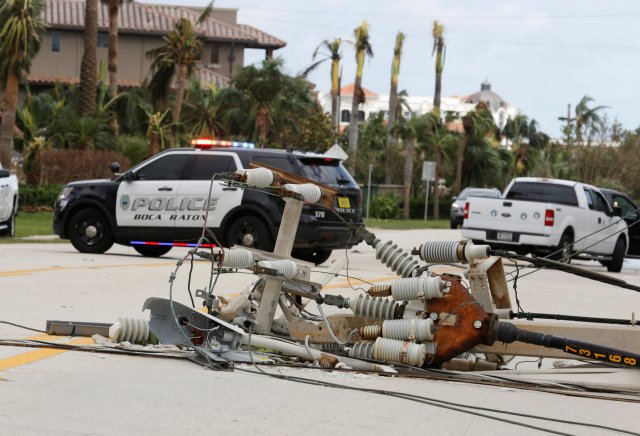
pixel 10 231
pixel 152 250
pixel 89 232
pixel 316 256
pixel 250 231
pixel 562 253
pixel 618 256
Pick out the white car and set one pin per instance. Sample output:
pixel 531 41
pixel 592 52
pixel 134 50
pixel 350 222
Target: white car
pixel 8 202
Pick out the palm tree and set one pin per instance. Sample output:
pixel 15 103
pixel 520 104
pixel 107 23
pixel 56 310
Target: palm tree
pixel 202 114
pixel 114 9
pixel 393 104
pixel 89 65
pixel 363 49
pixel 20 35
pixel 176 59
pixel 440 140
pixel 335 55
pixel 438 49
pixel 264 104
pixel 477 124
pixel 587 118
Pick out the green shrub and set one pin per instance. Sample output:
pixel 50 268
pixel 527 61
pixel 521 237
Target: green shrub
pixel 416 208
pixel 385 206
pixel 135 148
pixel 38 197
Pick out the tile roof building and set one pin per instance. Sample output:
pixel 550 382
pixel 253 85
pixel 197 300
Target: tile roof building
pixel 141 27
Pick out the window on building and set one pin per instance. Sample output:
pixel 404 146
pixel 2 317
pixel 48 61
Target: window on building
pixel 55 41
pixel 360 115
pixel 103 39
pixel 215 54
pixel 345 116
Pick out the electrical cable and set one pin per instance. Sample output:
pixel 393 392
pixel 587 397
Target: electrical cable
pixel 329 329
pixel 463 408
pixel 22 326
pixel 561 317
pixel 591 234
pixel 568 268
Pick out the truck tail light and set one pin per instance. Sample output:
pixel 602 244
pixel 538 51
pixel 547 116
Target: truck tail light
pixel 466 210
pixel 549 217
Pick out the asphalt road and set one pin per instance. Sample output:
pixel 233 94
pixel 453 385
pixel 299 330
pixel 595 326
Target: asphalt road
pixel 50 392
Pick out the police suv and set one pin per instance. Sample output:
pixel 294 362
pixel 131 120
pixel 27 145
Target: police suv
pixel 162 202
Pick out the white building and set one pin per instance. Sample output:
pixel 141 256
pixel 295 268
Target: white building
pixel 501 109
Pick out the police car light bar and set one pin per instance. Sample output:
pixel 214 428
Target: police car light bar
pixel 204 143
pixel 172 244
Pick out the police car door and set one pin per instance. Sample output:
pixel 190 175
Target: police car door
pixel 148 200
pixel 195 188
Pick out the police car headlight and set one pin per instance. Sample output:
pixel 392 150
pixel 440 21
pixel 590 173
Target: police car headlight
pixel 455 205
pixel 63 198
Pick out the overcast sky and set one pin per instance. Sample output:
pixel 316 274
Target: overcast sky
pixel 540 55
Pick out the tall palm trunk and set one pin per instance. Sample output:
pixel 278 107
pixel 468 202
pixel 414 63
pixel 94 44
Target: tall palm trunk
pixel 393 106
pixel 461 148
pixel 408 175
pixel 8 119
pixel 181 83
pixel 353 124
pixel 114 7
pixel 88 68
pixel 438 47
pixel 335 90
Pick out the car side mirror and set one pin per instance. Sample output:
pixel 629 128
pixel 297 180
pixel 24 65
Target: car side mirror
pixel 617 210
pixel 129 176
pixel 454 198
pixel 4 173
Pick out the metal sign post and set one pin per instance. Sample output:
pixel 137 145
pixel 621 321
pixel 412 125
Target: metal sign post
pixel 428 174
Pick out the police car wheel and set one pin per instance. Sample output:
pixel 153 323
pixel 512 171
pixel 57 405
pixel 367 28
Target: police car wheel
pixel 250 231
pixel 89 232
pixel 152 250
pixel 316 256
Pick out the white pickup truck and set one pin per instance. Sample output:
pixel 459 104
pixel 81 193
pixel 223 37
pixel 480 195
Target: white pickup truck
pixel 8 202
pixel 560 218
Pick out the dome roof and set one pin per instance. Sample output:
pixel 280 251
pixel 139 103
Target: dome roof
pixel 486 95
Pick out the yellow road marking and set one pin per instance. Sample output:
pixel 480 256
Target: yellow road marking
pixel 39 354
pixel 21 272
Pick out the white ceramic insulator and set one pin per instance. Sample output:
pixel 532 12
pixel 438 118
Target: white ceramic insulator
pixel 400 261
pixel 287 268
pixel 473 253
pixel 373 307
pixel 415 329
pixel 362 350
pixel 439 251
pixel 129 329
pixel 258 177
pixel 310 192
pixel 237 259
pixel 417 288
pixel 393 350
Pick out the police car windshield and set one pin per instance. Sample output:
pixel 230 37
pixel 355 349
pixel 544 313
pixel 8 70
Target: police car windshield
pixel 327 171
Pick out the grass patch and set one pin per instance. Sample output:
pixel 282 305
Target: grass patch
pixel 407 224
pixel 33 224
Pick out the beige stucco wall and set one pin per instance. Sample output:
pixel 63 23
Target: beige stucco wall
pixel 133 64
